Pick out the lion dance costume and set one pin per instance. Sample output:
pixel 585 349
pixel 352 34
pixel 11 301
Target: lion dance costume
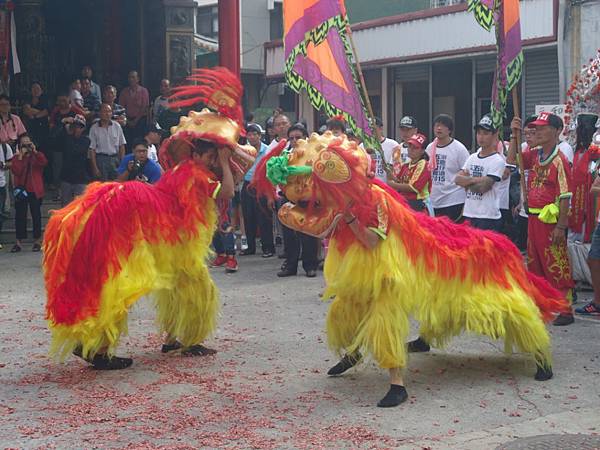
pixel 452 278
pixel 120 241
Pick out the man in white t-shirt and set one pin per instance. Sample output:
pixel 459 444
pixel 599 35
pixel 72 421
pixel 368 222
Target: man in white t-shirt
pixel 447 156
pixel 152 137
pixel 564 146
pixel 480 178
pixel 407 129
pixel 530 142
pixel 388 146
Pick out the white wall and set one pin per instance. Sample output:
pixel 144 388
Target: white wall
pixel 255 32
pixel 580 25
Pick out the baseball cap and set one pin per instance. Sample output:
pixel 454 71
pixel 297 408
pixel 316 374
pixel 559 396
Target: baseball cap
pixel 417 140
pixel 254 128
pixel 408 122
pixel 79 120
pixel 546 118
pixel 486 123
pixel 152 128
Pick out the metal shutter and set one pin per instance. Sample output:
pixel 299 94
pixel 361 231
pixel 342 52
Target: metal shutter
pixel 486 64
pixel 541 79
pixel 412 72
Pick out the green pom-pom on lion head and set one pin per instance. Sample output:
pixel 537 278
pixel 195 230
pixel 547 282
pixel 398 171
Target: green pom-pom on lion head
pixel 279 170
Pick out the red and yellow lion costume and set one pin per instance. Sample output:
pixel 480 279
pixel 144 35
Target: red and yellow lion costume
pixel 120 241
pixel 452 278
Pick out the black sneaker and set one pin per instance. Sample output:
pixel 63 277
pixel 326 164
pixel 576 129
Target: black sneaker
pixel 418 346
pixel 104 362
pixel 563 319
pixel 347 362
pixel 395 396
pixel 166 348
pixel 199 350
pixel 543 373
pixel 311 273
pixel 591 309
pixel 268 254
pixel 286 273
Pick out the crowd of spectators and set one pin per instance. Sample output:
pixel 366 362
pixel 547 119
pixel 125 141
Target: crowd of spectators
pixel 88 133
pixel 96 133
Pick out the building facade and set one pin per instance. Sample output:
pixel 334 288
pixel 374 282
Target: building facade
pixel 436 59
pixel 158 38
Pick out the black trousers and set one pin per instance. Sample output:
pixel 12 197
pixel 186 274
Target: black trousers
pixel 133 134
pixel 522 230
pixel 257 216
pixel 35 207
pixel 453 212
pixel 300 243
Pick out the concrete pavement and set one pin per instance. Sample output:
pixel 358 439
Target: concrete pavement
pixel 267 388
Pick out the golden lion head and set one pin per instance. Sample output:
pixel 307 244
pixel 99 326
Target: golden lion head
pixel 320 177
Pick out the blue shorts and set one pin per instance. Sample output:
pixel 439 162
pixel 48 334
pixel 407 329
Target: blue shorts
pixel 595 248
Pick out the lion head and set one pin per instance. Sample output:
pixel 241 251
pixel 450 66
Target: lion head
pixel 320 177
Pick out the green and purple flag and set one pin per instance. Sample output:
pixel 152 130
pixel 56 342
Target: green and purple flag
pixel 504 15
pixel 319 58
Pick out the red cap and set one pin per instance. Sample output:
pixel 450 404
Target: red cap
pixel 417 140
pixel 546 118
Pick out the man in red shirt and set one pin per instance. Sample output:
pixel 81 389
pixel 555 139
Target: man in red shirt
pixel 136 101
pixel 548 198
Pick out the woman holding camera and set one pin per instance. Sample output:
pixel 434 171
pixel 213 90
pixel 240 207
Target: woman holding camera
pixel 27 168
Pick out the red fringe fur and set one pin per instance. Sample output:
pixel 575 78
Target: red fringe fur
pixel 217 88
pixel 451 250
pixel 77 266
pixel 447 249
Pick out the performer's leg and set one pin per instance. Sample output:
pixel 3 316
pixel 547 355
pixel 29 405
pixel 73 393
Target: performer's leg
pixel 342 322
pixel 188 312
pixel 527 331
pixel 550 262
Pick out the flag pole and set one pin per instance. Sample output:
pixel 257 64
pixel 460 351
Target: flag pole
pixel 363 86
pixel 517 113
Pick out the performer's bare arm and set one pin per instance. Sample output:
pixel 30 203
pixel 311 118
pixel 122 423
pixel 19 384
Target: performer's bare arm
pixel 227 184
pixel 558 234
pixel 367 237
pixel 515 127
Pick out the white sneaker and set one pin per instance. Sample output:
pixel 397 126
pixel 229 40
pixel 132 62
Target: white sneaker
pixel 244 243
